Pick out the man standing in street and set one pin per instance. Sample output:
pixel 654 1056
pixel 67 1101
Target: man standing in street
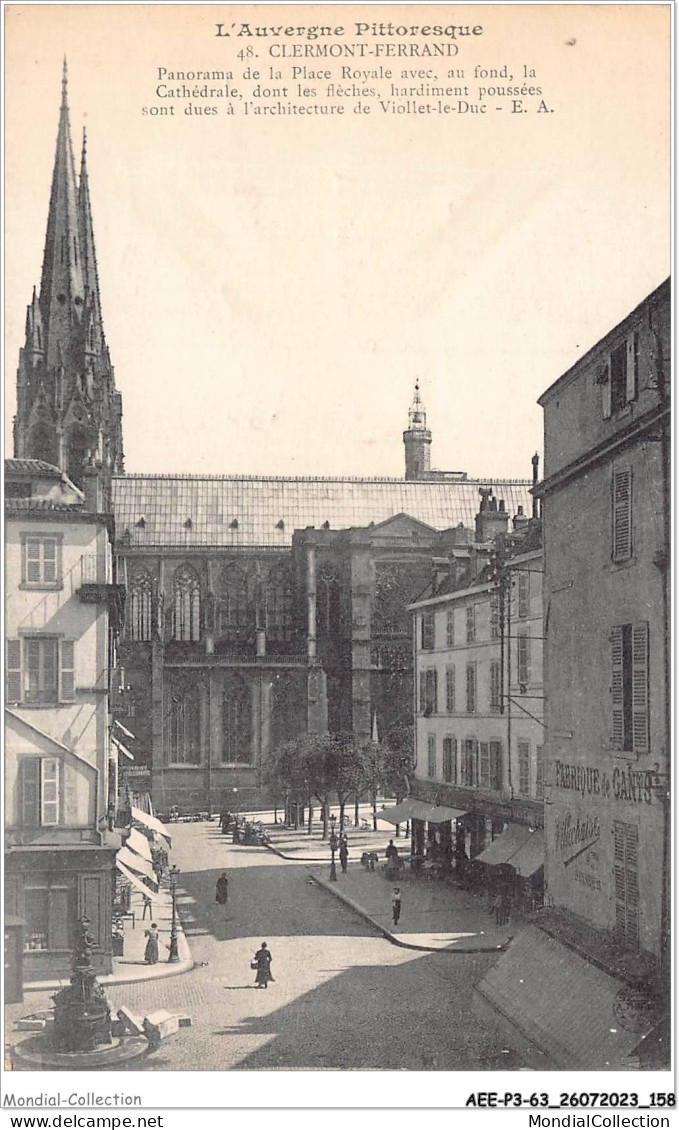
pixel 344 854
pixel 396 905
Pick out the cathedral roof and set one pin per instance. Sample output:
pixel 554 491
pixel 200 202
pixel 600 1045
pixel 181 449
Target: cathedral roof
pixel 31 467
pixel 249 511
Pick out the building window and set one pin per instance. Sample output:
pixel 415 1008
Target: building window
pixel 495 689
pixel 328 603
pixel 49 913
pixel 469 759
pixel 450 628
pixel 523 594
pixel 484 765
pixel 39 791
pixel 622 514
pixel 523 662
pixel 625 854
pixel 524 768
pixel 471 623
pixel 495 751
pixel 427 625
pixel 236 722
pixel 450 760
pixel 539 772
pixel 629 687
pixel 184 727
pixel 495 617
pixel 186 591
pixel 279 603
pixel 428 691
pixel 471 688
pixel 139 606
pixel 40 671
pixel 450 690
pixel 431 755
pixel 41 561
pixel 233 608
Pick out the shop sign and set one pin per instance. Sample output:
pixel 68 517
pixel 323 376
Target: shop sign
pixel 576 839
pixel 623 784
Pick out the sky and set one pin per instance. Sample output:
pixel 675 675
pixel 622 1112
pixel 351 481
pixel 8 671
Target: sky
pixel 272 287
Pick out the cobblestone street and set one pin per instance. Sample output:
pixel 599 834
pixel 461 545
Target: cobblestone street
pixel 343 997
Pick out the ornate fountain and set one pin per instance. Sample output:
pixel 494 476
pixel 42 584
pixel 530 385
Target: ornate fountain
pixel 82 1015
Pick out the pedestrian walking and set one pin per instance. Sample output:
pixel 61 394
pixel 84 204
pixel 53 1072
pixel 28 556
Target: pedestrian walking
pixel 148 905
pixel 262 963
pixel 151 951
pixel 222 889
pixel 344 854
pixel 396 905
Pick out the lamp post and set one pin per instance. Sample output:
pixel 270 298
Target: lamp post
pixel 174 952
pixel 334 843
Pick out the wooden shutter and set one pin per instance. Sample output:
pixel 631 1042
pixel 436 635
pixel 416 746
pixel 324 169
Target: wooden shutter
pixel 640 735
pixel 49 791
pixel 622 514
pixel 618 728
pixel 495 750
pixel 433 691
pixel 524 592
pixel 450 627
pixel 625 845
pixel 605 380
pixel 67 651
pixel 631 371
pixel 30 791
pixel 524 768
pixel 484 765
pixel 32 550
pixel 423 691
pixel 13 671
pixel 539 772
pixel 49 562
pixel 450 689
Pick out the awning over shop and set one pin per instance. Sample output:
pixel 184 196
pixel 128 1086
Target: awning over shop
pixel 531 855
pixel 135 863
pixel 121 748
pixel 505 845
pixel 138 843
pixel 151 822
pixel 412 809
pixel 127 733
pixel 132 878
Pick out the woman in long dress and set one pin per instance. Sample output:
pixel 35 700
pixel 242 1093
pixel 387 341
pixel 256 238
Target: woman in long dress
pixel 263 960
pixel 151 951
pixel 222 889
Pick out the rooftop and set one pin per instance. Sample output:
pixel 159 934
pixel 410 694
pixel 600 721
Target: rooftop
pixel 243 511
pixel 32 467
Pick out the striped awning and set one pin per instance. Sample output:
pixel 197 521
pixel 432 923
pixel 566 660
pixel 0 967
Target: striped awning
pixel 140 866
pixel 151 822
pixel 139 844
pixel 505 845
pixel 412 809
pixel 122 748
pixel 132 878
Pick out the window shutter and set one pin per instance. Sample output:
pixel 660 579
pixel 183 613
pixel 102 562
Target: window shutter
pixel 617 688
pixel 495 766
pixel 622 514
pixel 33 559
pixel 67 671
pixel 13 672
pixel 605 378
pixel 423 691
pixel 453 759
pixel 640 726
pixel 524 591
pixel 450 689
pixel 30 792
pixel 484 765
pixel 49 548
pixel 631 376
pixel 49 791
pixel 434 695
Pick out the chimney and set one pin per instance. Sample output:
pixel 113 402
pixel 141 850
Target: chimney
pixel 93 488
pixel 536 463
pixel 492 518
pixel 520 519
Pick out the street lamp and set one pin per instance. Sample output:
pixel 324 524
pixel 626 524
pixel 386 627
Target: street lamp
pixel 174 952
pixel 334 843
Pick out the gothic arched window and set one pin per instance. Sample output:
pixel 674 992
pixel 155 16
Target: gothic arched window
pixel 42 444
pixel 186 607
pixel 77 456
pixel 287 709
pixel 183 725
pixel 279 603
pixel 233 602
pixel 328 603
pixel 236 722
pixel 139 606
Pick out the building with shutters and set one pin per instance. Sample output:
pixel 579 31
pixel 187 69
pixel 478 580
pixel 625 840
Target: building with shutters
pixel 606 520
pixel 479 734
pixel 62 609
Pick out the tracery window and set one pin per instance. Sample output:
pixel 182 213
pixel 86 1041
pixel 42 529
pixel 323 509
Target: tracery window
pixel 139 606
pixel 233 602
pixel 279 603
pixel 328 603
pixel 186 609
pixel 183 724
pixel 236 722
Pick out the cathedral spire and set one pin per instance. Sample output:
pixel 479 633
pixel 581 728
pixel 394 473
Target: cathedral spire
pixel 61 289
pixel 417 439
pixel 94 329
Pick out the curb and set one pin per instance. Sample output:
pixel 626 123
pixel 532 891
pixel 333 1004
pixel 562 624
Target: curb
pixel 333 890
pixel 296 859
